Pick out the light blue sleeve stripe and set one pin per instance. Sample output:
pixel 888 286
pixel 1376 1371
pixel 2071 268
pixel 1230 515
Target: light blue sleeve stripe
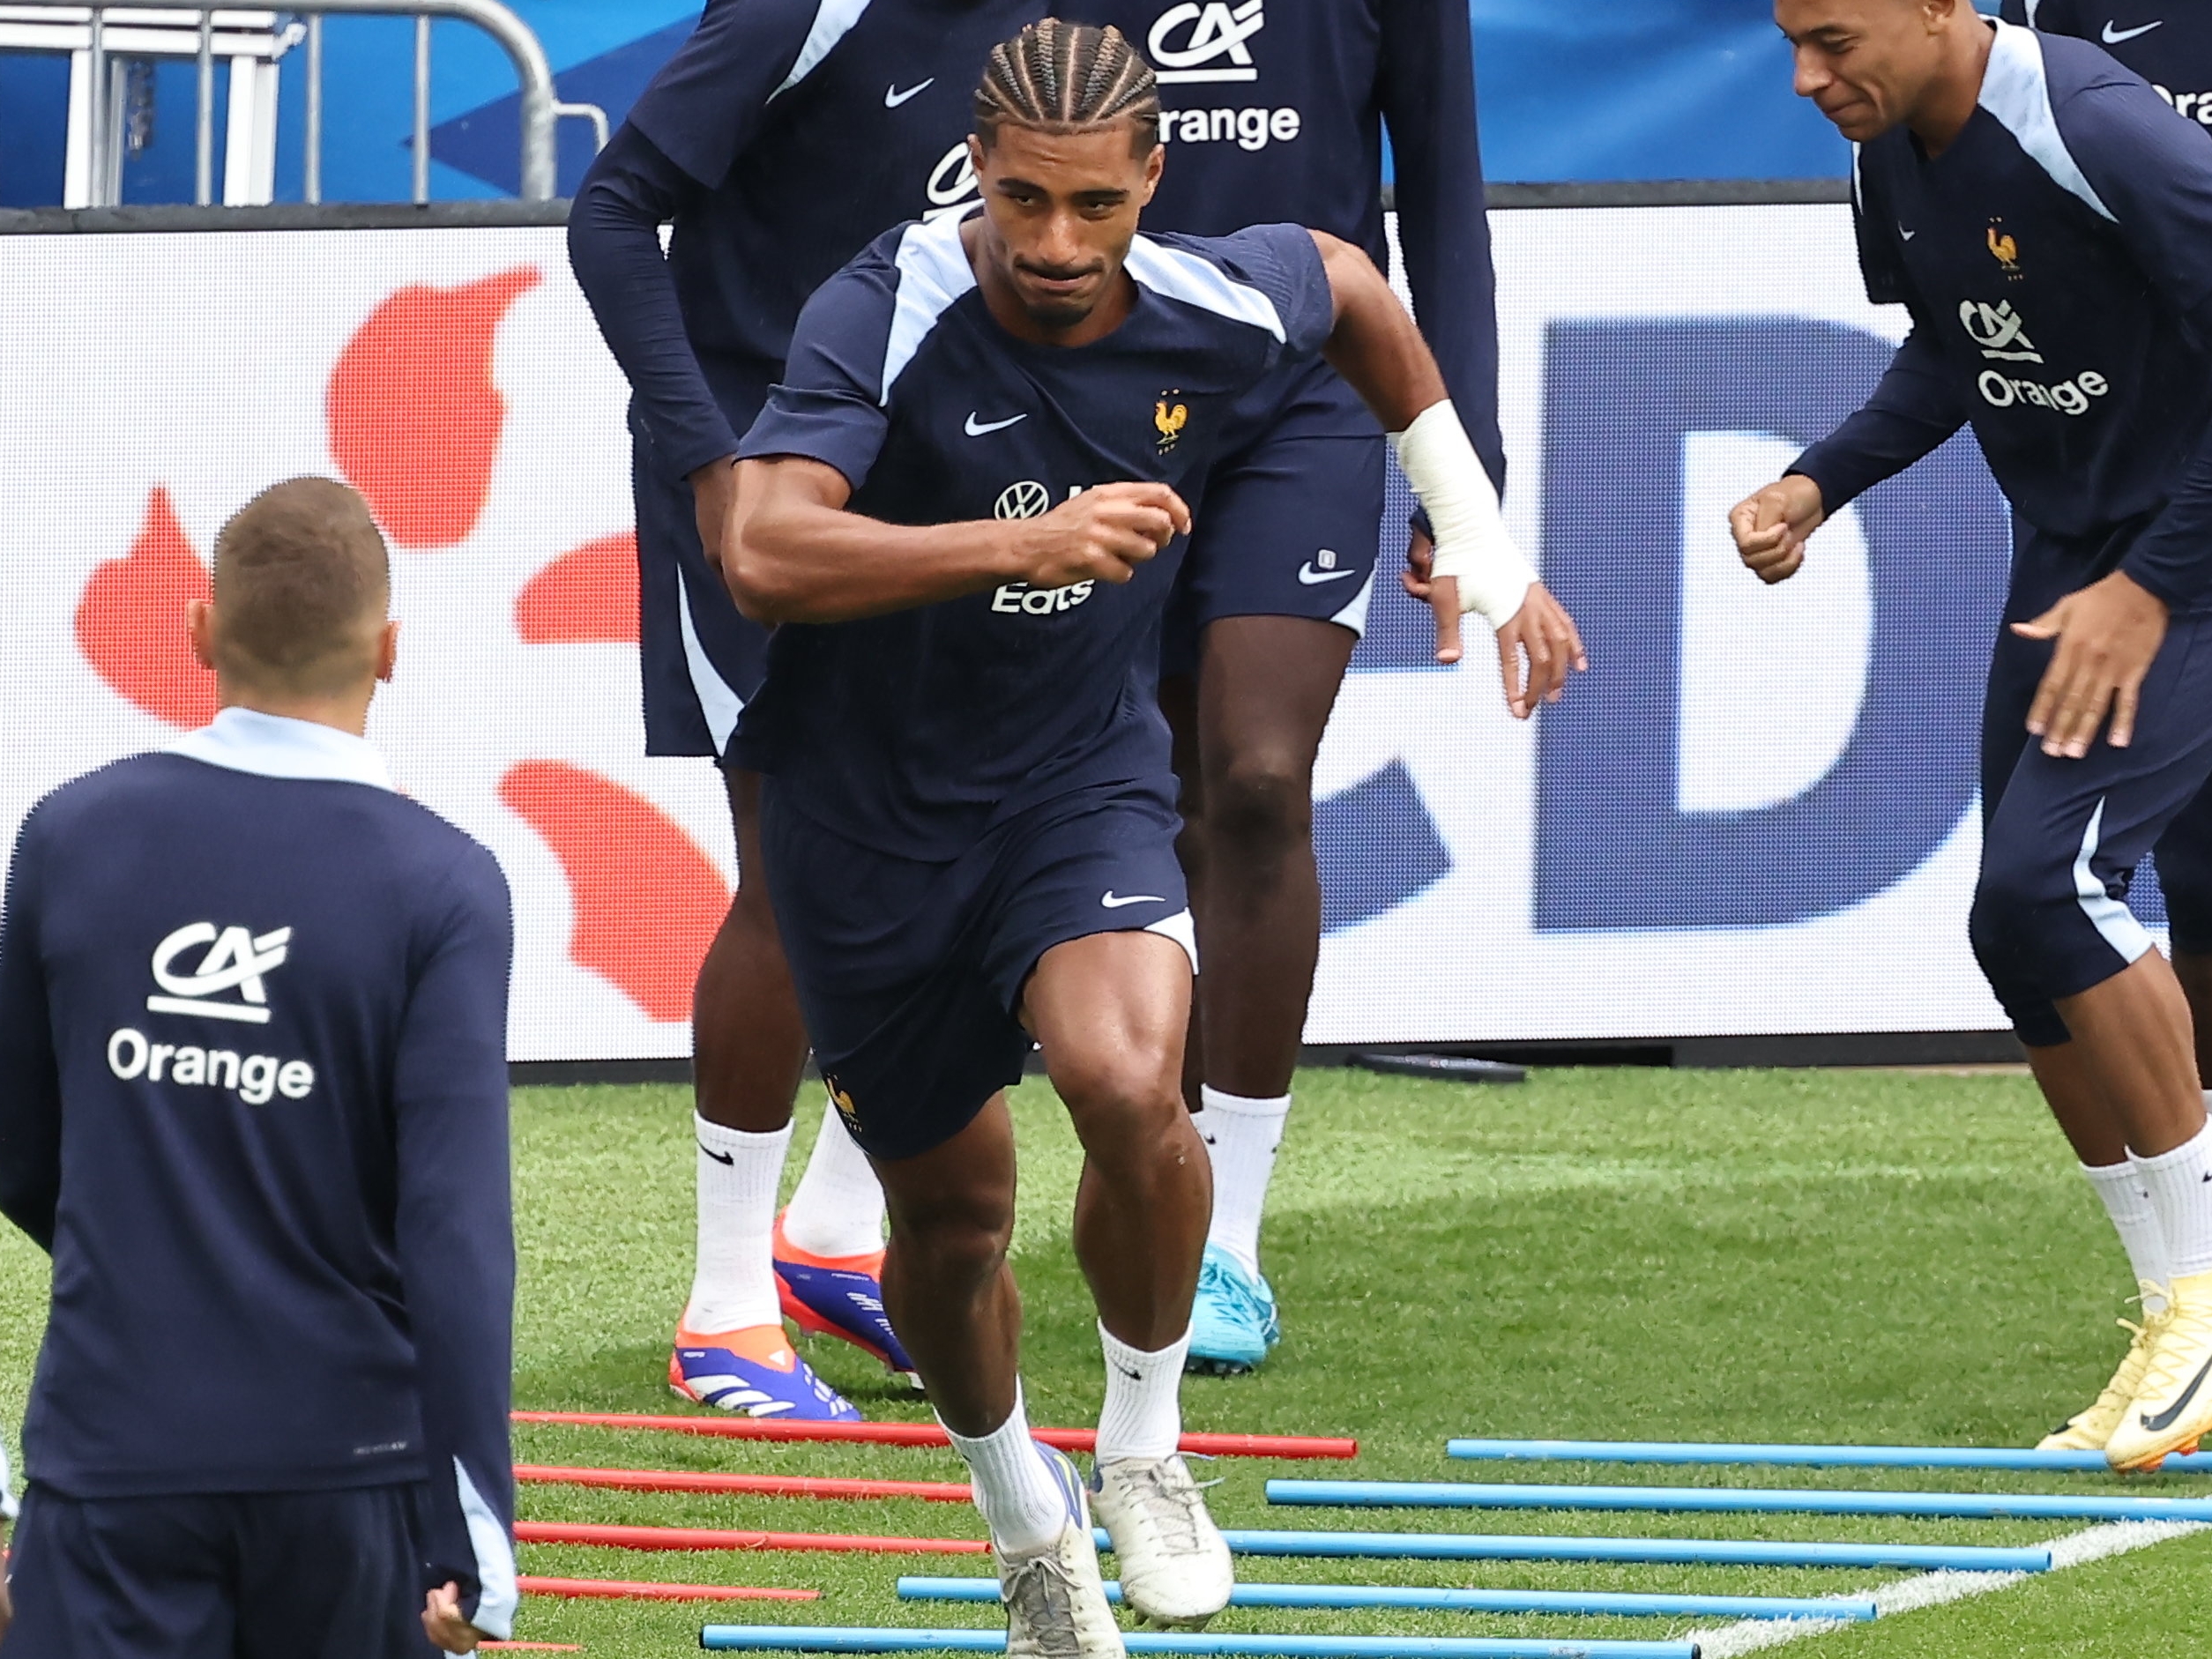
pixel 497 1594
pixel 1185 276
pixel 933 273
pixel 2017 90
pixel 833 20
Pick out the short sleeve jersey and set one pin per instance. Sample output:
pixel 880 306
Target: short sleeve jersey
pixel 2059 252
pixel 913 733
pixel 813 124
pixel 2169 46
pixel 1274 111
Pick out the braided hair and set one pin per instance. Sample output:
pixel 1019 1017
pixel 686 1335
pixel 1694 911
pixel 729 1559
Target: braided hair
pixel 1062 76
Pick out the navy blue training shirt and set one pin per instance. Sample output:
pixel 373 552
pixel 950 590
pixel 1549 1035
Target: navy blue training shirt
pixel 1274 112
pixel 2169 45
pixel 2057 260
pixel 784 135
pixel 253 1099
pixel 912 733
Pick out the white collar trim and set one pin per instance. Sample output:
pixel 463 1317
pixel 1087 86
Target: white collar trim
pixel 276 746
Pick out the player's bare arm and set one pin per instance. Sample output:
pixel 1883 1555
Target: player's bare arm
pixel 792 552
pixel 1772 527
pixel 713 493
pixel 1377 349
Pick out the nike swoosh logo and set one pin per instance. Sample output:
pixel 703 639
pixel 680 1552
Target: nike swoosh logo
pixel 1313 578
pixel 977 428
pixel 1113 902
pixel 2114 34
pixel 719 1157
pixel 2171 1414
pixel 1907 234
pixel 893 97
pixel 1134 1376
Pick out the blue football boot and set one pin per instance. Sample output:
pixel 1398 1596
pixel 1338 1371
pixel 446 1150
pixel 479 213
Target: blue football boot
pixel 1232 1321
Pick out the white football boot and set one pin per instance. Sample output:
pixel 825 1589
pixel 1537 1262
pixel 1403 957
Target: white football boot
pixel 1175 1567
pixel 1054 1599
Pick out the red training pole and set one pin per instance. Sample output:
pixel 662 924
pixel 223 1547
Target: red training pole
pixel 617 1590
pixel 744 1428
pixel 942 1492
pixel 714 1538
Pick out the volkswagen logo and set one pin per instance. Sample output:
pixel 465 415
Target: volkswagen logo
pixel 1026 500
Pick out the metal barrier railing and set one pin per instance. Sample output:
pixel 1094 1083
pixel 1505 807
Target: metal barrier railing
pixel 107 32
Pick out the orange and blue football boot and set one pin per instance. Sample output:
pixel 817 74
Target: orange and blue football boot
pixel 840 1297
pixel 754 1371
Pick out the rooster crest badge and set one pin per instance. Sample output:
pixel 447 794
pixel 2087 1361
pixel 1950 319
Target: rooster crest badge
pixel 1169 418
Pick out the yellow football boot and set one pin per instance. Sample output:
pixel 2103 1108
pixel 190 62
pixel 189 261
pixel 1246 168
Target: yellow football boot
pixel 2089 1429
pixel 2172 1409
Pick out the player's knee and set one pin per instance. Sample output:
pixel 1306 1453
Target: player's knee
pixel 958 1242
pixel 2001 925
pixel 1260 802
pixel 1121 1097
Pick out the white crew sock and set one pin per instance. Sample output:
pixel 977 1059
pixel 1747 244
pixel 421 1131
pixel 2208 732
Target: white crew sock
pixel 2180 1187
pixel 732 1284
pixel 838 1207
pixel 2133 1218
pixel 1014 1486
pixel 1242 1135
pixel 1143 1412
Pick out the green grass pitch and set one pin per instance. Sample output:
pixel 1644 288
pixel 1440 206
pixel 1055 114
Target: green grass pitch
pixel 1607 1255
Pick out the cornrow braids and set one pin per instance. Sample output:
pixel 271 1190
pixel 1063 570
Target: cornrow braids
pixel 1062 76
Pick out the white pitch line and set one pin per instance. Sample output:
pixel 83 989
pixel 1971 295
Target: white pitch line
pixel 1932 1589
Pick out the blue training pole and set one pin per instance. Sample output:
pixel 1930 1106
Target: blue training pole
pixel 1491 1546
pixel 1802 1456
pixel 831 1638
pixel 1946 1505
pixel 1594 1604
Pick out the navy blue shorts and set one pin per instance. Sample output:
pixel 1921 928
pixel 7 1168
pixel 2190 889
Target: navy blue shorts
pixel 1289 528
pixel 699 659
pixel 911 974
pixel 2061 838
pixel 258 1575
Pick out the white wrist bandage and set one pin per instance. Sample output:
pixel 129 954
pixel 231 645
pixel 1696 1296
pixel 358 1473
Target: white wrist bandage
pixel 1472 542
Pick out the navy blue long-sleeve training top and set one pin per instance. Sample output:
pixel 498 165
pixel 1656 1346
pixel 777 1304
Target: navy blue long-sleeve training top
pixel 253 1099
pixel 786 135
pixel 2170 46
pixel 2056 261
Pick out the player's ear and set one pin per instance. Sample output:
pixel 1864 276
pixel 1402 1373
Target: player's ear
pixel 1155 164
pixel 975 153
pixel 387 650
pixel 199 628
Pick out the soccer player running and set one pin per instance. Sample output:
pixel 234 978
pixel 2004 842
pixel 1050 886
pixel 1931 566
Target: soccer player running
pixel 1278 117
pixel 732 143
pixel 2174 53
pixel 2048 221
pixel 253 1100
pixel 962 512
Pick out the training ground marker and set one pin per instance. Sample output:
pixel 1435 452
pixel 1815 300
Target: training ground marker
pixel 758 1485
pixel 1935 1590
pixel 1727 1500
pixel 621 1590
pixel 1725 1453
pixel 1201 1645
pixel 744 1428
pixel 1410 1546
pixel 1591 1603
